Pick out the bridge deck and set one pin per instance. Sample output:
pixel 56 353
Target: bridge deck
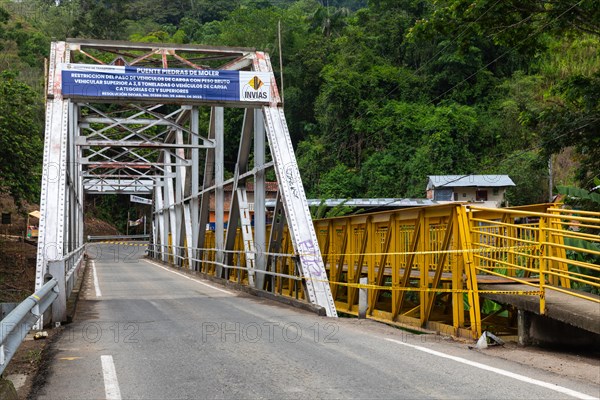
pixel 572 310
pixel 144 331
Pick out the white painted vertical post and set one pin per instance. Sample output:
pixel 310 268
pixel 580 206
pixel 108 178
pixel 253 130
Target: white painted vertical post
pixel 362 299
pixel 183 218
pixel 69 205
pixel 81 217
pixel 2 356
pixel 53 191
pixel 523 327
pixel 301 228
pixel 194 202
pixel 59 307
pixel 170 203
pixel 219 178
pixel 162 219
pixel 260 241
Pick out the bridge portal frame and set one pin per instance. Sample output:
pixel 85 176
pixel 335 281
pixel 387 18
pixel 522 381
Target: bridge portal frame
pixel 146 146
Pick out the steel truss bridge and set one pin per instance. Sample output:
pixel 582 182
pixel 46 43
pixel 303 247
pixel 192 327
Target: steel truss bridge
pixel 430 267
pixel 97 144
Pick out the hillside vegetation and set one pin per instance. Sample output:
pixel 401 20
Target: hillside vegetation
pixel 378 93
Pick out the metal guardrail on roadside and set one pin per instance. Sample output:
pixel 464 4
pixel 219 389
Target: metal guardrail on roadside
pixel 19 322
pixel 66 271
pixel 62 275
pixel 521 244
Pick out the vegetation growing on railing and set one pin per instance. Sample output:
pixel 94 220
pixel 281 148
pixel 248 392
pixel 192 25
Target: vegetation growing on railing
pixel 581 198
pixel 324 211
pixel 585 257
pixel 585 200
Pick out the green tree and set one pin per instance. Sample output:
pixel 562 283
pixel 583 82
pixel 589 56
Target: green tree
pixel 380 93
pixel 20 139
pixel 573 119
pixel 339 182
pixel 529 172
pixel 512 23
pixel 100 20
pixel 329 20
pixel 417 140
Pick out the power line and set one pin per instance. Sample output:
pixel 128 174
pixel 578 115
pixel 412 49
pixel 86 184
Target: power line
pixel 501 159
pixel 505 53
pixel 414 73
pixel 349 124
pixel 447 45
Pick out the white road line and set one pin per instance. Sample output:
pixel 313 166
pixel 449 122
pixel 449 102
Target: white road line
pixel 187 277
pixel 499 371
pixel 111 384
pixel 96 284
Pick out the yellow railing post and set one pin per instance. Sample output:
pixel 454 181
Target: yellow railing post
pixel 543 248
pixel 186 260
pixel 357 269
pixel 471 275
pixel 372 248
pixel 557 241
pixel 424 247
pixel 170 253
pixel 339 262
pixel 446 242
pixel 383 258
pixel 458 268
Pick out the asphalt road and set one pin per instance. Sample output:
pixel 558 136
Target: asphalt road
pixel 144 332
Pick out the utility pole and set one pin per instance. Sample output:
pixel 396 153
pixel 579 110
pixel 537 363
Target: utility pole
pixel 550 180
pixel 280 62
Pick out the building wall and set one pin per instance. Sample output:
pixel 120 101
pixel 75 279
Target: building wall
pixel 270 194
pixel 495 196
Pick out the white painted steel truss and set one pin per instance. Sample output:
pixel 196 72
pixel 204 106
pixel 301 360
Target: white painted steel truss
pixel 96 146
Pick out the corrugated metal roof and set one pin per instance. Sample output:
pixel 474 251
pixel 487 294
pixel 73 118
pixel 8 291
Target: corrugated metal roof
pixel 436 181
pixel 384 202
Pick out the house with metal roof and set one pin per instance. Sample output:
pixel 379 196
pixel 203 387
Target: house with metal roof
pixel 490 190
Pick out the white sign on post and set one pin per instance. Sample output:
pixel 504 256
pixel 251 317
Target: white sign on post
pixel 138 199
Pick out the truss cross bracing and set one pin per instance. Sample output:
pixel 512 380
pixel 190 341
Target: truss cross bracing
pixel 150 119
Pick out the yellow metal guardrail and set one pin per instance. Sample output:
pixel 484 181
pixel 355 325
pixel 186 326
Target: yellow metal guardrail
pixel 543 238
pixel 418 271
pixel 424 265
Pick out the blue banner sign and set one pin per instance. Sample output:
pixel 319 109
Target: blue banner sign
pixel 120 82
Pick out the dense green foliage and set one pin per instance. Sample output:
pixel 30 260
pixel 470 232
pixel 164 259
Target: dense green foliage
pixel 20 139
pixel 381 93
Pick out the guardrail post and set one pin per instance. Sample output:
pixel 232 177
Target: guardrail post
pixel 15 326
pixel 362 298
pixel 542 241
pixel 59 307
pixel 523 325
pixel 470 270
